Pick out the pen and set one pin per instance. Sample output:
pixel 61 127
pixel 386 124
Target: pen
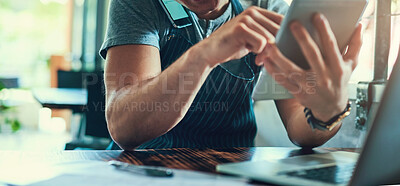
pixel 149 171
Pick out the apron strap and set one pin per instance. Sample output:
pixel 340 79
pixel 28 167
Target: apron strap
pixel 237 7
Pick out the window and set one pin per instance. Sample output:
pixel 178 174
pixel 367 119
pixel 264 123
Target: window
pixel 365 68
pixel 31 31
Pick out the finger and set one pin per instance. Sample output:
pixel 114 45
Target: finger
pixel 264 21
pixel 280 77
pixel 275 17
pixel 252 40
pixel 261 57
pixel 309 48
pixel 254 25
pixel 354 46
pixel 281 61
pixel 329 43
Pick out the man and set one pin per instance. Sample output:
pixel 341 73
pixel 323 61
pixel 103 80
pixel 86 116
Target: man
pixel 191 87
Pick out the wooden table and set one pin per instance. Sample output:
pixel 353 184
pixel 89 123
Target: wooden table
pixel 204 160
pixel 179 158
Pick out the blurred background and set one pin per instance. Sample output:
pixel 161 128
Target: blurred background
pixel 51 88
pixel 48 53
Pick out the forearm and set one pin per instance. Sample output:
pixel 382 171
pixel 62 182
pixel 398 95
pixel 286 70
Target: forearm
pixel 299 131
pixel 138 113
pixel 301 134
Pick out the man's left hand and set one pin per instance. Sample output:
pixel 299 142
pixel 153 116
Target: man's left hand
pixel 322 88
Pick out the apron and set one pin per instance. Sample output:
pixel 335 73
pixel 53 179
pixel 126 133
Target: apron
pixel 221 114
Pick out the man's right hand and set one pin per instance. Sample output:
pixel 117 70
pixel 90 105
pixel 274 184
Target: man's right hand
pixel 249 32
pixel 138 68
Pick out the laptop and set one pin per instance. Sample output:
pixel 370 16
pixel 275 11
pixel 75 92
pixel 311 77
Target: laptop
pixel 378 163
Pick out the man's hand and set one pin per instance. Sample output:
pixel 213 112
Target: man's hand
pixel 323 88
pixel 248 32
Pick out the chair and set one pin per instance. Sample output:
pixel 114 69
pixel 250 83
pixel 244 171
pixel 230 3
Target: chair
pixel 96 124
pixel 69 79
pixel 9 82
pixel 95 135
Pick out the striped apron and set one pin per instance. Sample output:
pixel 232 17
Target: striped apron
pixel 221 114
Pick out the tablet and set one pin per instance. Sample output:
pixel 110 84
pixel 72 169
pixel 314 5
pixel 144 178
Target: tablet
pixel 343 16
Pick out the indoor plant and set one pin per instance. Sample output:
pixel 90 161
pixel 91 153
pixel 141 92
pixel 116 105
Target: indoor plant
pixel 7 121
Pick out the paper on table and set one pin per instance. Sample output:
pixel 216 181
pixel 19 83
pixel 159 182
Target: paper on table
pixel 25 172
pixel 100 173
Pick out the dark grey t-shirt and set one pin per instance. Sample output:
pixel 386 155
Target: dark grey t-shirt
pixel 145 22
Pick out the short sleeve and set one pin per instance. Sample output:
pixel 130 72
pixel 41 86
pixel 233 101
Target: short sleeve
pixel 132 22
pixel 278 6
